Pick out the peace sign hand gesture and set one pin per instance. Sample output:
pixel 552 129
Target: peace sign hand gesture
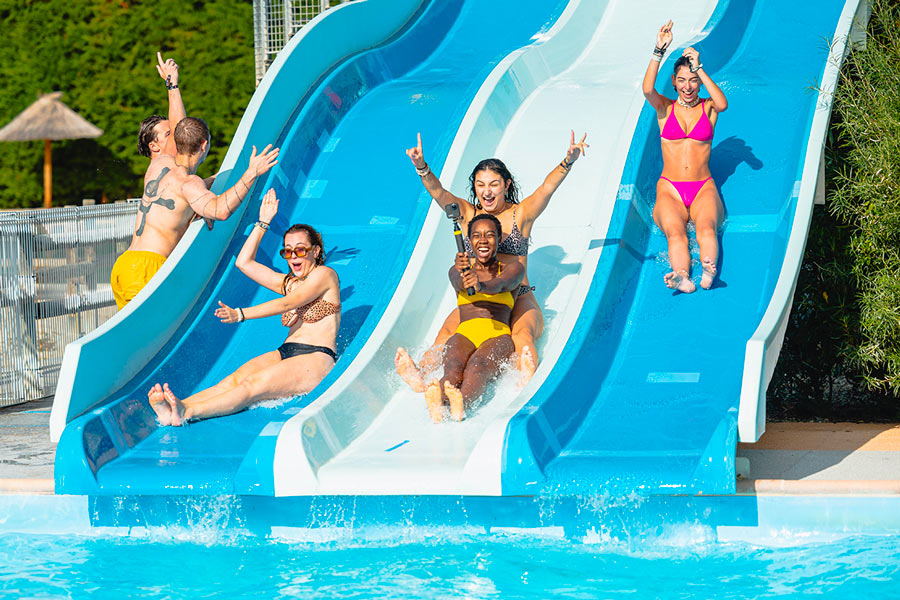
pixel 664 35
pixel 576 150
pixel 415 154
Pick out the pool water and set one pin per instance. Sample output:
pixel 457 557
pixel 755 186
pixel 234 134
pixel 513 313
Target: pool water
pixel 393 562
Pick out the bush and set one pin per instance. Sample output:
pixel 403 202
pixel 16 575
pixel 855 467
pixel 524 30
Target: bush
pixel 101 55
pixel 841 357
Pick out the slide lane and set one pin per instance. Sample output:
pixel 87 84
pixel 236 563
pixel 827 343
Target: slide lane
pixel 645 395
pixel 369 434
pixel 343 170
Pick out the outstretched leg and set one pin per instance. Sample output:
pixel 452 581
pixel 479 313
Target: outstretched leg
pixel 527 324
pixel 408 371
pixel 671 216
pixel 482 368
pixel 707 213
pixel 289 377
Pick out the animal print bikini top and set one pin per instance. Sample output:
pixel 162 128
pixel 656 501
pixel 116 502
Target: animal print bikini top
pixel 308 313
pixel 515 243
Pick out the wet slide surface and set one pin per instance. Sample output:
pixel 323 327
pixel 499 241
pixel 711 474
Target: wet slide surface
pixel 343 169
pixel 645 395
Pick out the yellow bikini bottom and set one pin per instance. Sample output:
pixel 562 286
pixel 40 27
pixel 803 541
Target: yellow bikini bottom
pixel 480 330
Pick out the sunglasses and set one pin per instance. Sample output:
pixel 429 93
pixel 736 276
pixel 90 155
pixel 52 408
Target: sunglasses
pixel 298 251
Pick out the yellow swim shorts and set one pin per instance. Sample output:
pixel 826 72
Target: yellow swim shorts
pixel 131 273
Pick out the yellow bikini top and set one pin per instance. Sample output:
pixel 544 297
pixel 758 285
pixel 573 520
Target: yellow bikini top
pixel 505 298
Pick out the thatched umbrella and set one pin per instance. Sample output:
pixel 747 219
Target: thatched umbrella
pixel 48 119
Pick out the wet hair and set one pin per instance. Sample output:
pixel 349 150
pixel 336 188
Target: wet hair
pixel 486 217
pixel 147 133
pixel 190 133
pixel 683 61
pixel 314 237
pixel 496 165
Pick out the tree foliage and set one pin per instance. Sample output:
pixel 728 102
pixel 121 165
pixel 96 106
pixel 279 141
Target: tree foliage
pixel 841 357
pixel 101 55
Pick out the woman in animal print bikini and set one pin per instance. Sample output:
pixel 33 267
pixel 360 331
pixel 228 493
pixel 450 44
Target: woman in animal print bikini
pixel 686 190
pixel 493 191
pixel 310 307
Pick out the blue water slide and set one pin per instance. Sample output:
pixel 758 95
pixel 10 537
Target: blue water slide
pixel 369 433
pixel 343 100
pixel 646 394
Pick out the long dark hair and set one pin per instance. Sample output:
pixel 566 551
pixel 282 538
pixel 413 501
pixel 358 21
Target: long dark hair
pixel 496 165
pixel 314 236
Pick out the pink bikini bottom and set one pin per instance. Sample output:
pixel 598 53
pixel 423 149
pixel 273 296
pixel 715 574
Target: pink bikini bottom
pixel 687 189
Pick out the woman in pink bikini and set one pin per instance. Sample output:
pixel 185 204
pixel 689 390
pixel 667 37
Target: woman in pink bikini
pixel 311 310
pixel 685 190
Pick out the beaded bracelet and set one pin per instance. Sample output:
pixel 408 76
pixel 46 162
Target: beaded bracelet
pixel 423 171
pixel 241 316
pixel 566 165
pixel 262 225
pixel 694 70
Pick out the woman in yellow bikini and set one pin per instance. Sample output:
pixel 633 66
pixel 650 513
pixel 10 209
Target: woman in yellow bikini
pixel 311 310
pixel 482 342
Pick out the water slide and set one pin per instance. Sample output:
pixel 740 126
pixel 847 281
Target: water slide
pixel 635 386
pixel 343 101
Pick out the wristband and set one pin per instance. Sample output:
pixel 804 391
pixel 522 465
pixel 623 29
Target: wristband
pixel 693 70
pixel 660 52
pixel 241 315
pixel 423 171
pixel 656 57
pixel 262 225
pixel 566 165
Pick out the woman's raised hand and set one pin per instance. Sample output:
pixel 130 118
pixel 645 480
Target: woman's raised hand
pixel 576 150
pixel 664 35
pixel 227 314
pixel 269 207
pixel 692 55
pixel 415 154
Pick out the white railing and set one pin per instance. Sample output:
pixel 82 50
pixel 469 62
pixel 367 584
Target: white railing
pixel 54 287
pixel 276 21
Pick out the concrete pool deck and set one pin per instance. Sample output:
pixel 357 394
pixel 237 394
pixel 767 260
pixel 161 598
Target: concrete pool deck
pixel 789 459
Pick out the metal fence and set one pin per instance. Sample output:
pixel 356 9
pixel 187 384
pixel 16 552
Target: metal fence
pixel 276 21
pixel 54 287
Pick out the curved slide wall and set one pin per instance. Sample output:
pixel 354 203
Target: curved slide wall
pixel 370 435
pixel 343 169
pixel 645 395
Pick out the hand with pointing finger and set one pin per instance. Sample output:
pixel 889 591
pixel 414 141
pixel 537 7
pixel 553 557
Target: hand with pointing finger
pixel 415 154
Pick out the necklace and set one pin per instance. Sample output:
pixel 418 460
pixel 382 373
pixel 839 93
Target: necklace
pixel 688 104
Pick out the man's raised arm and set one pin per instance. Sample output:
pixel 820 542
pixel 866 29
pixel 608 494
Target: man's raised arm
pixel 168 70
pixel 210 206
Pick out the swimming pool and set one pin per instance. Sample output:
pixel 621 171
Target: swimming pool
pixel 217 549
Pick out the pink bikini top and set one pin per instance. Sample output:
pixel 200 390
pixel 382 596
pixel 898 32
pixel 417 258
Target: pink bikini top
pixel 308 313
pixel 702 130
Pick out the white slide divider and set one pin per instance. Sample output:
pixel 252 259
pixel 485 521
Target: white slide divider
pixel 761 354
pixel 367 434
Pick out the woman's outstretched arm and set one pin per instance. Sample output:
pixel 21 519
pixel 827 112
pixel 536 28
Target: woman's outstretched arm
pixel 720 103
pixel 433 184
pixel 663 39
pixel 246 258
pixel 316 284
pixel 534 205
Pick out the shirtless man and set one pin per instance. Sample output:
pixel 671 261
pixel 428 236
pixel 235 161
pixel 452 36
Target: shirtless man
pixel 170 201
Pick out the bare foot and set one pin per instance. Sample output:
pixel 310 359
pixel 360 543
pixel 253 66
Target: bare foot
pixel 679 280
pixel 408 371
pixel 176 406
pixel 709 273
pixel 159 405
pixel 434 400
pixel 527 366
pixel 457 409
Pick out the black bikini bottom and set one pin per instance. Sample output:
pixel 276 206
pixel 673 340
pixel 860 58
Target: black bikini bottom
pixel 290 349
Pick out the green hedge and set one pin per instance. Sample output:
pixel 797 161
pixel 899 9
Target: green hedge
pixel 101 55
pixel 841 357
